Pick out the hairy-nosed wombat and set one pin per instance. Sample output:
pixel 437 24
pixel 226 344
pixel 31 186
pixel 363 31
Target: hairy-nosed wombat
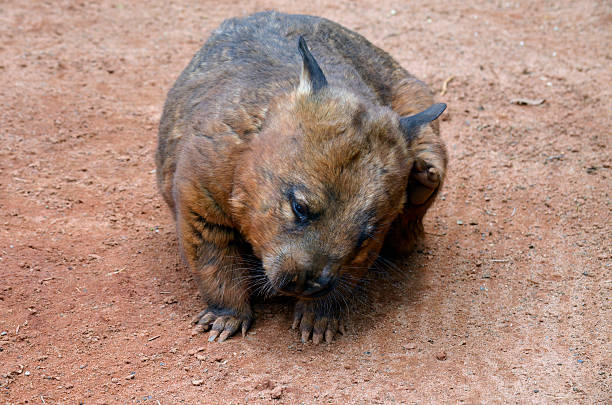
pixel 285 177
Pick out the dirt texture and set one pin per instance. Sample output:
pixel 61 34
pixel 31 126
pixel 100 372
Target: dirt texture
pixel 509 301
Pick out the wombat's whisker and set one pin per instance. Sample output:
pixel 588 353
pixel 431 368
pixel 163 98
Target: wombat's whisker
pixel 240 259
pixel 387 266
pixel 344 291
pixel 365 279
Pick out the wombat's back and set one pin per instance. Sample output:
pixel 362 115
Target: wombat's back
pixel 259 52
pixel 225 90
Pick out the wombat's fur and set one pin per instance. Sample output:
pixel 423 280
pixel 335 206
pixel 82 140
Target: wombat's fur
pixel 289 178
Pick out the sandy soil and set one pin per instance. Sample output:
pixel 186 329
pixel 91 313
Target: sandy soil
pixel 510 301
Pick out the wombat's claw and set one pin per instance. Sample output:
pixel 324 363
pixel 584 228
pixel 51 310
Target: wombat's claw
pixel 426 180
pixel 321 326
pixel 223 326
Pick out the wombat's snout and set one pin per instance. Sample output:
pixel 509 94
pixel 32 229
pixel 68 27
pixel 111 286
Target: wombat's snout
pixel 308 285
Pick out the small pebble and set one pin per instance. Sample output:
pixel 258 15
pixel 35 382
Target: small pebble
pixel 459 222
pixel 4 333
pixel 277 392
pixel 130 376
pixel 27 373
pixel 197 382
pixel 536 391
pixel 170 300
pixel 441 356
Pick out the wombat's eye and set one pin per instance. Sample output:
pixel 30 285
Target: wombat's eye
pixel 300 210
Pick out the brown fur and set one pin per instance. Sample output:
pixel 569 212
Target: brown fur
pixel 243 139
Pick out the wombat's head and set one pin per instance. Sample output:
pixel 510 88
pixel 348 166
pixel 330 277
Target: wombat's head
pixel 321 184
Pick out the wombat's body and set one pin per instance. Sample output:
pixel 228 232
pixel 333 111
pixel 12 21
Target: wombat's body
pixel 313 173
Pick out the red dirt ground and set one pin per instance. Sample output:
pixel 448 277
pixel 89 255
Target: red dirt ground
pixel 510 301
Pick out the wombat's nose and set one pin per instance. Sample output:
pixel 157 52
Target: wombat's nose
pixel 319 287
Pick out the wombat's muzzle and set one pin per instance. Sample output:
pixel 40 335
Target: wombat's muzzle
pixel 308 288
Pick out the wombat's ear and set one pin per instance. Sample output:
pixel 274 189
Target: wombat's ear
pixel 412 124
pixel 312 78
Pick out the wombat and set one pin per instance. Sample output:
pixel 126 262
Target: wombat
pixel 291 152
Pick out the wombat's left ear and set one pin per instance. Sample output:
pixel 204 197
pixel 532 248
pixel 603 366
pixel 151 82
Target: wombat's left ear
pixel 412 124
pixel 312 78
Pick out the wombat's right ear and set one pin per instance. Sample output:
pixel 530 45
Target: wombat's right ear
pixel 412 124
pixel 312 78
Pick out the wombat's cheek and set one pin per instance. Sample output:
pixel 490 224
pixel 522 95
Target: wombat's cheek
pixel 269 265
pixel 360 264
pixel 368 253
pixel 275 268
pixel 362 257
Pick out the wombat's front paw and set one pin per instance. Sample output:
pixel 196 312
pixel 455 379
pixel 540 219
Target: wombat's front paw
pixel 224 322
pixel 424 180
pixel 321 323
